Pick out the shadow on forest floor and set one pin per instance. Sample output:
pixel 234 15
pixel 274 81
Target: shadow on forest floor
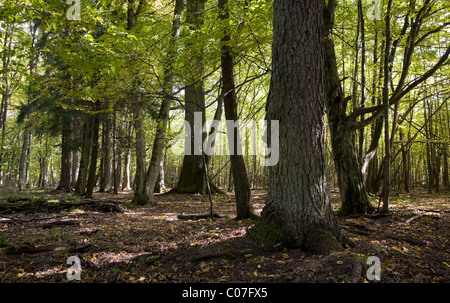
pixel 149 244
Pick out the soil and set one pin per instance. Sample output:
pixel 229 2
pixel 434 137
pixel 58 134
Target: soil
pixel 150 244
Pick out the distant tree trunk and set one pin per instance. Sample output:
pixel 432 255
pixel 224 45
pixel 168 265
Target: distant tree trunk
pixel 445 174
pixel 43 175
pixel 298 212
pixel 85 156
pixel 405 162
pixel 66 148
pixel 105 176
pixel 240 179
pixel 27 162
pixel 363 77
pixel 116 158
pixel 126 180
pixel 75 152
pixel 92 178
pixel 23 157
pixel 126 171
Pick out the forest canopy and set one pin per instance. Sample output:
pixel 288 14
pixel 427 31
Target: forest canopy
pixel 66 63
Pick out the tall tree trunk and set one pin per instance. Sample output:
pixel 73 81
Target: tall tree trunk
pixel 126 180
pixel 387 142
pixel 105 176
pixel 192 177
pixel 241 185
pixel 350 180
pixel 163 119
pixel 66 148
pixel 298 211
pixel 405 161
pixel 126 171
pixel 23 157
pixel 140 197
pixel 116 157
pixel 92 178
pixel 363 77
pixel 5 96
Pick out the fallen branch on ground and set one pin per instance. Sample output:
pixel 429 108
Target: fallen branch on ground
pixel 184 216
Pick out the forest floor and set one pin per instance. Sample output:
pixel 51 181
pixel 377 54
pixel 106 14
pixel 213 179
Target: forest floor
pixel 150 244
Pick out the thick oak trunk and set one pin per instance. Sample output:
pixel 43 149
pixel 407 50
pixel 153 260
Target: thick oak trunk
pixel 298 212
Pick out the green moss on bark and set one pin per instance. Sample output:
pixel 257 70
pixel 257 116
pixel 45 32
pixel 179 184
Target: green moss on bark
pixel 321 241
pixel 267 232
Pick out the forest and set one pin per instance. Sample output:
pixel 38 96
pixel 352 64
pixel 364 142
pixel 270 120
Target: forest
pixel 256 141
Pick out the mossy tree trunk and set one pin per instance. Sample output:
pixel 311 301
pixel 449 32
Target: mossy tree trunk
pixel 298 212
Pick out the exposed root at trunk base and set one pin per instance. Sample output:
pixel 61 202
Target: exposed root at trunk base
pixel 271 235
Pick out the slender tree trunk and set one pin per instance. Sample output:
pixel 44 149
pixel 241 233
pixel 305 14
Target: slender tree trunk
pixel 160 138
pixel 363 78
pixel 23 156
pixel 5 96
pixel 387 142
pixel 140 197
pixel 126 171
pixel 75 152
pixel 27 162
pixel 298 211
pixel 105 176
pixel 126 180
pixel 405 162
pixel 241 185
pixel 116 158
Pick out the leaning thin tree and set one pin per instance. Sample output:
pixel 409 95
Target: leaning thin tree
pixel 298 211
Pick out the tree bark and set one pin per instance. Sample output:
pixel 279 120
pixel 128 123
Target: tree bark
pixel 350 180
pixel 92 178
pixel 23 156
pixel 244 207
pixel 105 176
pixel 160 138
pixel 192 177
pixel 298 211
pixel 140 197
pixel 64 180
pixel 85 156
pixel 387 142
